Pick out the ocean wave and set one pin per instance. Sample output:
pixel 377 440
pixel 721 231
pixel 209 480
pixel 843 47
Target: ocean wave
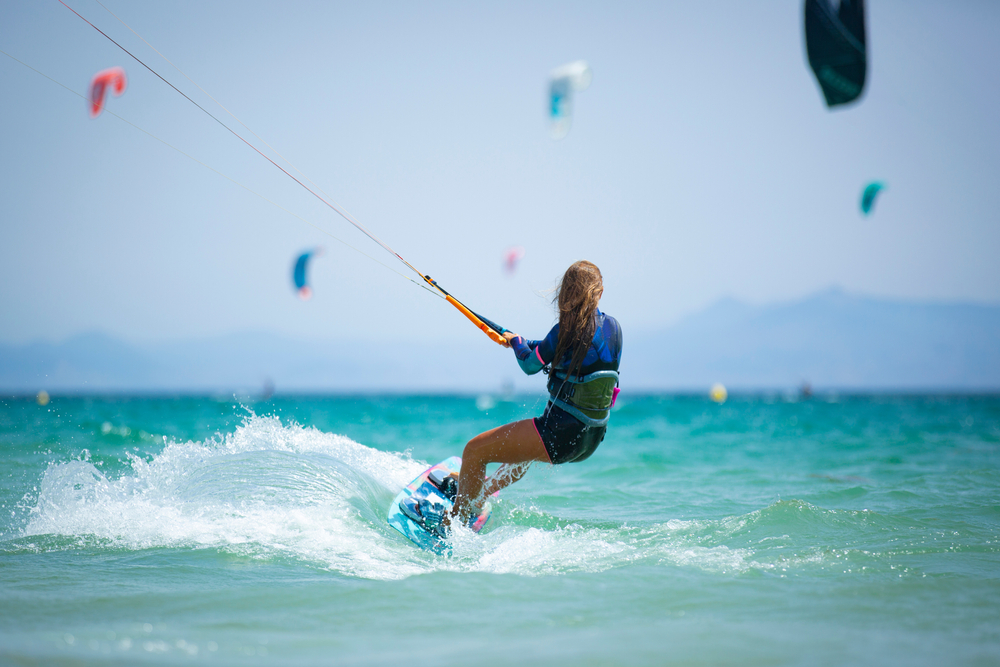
pixel 270 490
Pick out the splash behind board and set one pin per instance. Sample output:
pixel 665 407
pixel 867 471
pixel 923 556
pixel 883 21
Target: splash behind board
pixel 425 494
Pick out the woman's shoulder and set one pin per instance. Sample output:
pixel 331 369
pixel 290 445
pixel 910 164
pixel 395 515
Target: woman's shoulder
pixel 608 321
pixel 611 334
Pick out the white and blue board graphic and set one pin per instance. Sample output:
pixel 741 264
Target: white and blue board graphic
pixel 418 510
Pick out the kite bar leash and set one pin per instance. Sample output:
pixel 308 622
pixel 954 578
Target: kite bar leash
pixel 491 329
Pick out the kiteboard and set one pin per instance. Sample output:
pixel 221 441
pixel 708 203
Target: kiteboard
pixel 419 509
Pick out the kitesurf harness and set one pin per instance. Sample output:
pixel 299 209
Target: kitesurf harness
pixel 586 397
pixel 589 395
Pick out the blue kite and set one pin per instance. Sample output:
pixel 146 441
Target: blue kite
pixel 299 272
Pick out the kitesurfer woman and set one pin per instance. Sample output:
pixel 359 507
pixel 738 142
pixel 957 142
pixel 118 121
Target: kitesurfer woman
pixel 581 355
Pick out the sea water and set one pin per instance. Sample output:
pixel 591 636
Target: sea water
pixel 769 530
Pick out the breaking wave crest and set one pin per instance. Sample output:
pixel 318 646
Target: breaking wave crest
pixel 278 491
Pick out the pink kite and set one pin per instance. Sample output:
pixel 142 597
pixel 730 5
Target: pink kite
pixel 113 77
pixel 511 257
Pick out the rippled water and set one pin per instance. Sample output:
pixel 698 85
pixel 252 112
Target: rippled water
pixel 767 530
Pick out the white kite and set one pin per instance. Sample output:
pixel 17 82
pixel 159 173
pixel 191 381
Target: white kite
pixel 563 82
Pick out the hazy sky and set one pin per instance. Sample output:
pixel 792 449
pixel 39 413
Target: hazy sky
pixel 701 163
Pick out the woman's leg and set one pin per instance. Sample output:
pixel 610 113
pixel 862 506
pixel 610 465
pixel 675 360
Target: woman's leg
pixel 512 443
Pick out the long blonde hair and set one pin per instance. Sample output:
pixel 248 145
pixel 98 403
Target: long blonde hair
pixel 579 291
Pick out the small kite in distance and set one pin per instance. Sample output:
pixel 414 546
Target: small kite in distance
pixel 868 196
pixel 299 273
pixel 563 82
pixel 113 78
pixel 511 257
pixel 835 46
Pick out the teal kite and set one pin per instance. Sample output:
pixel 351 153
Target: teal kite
pixel 869 195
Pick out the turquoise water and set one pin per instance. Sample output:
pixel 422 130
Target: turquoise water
pixel 765 531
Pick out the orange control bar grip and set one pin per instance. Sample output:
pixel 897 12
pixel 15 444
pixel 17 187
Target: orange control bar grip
pixel 495 336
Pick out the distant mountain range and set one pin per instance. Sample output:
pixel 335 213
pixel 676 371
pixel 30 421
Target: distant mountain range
pixel 831 340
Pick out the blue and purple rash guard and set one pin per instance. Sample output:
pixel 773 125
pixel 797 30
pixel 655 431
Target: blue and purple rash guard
pixel 605 351
pixel 589 394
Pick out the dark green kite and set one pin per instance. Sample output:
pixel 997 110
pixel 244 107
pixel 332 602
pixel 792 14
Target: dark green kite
pixel 835 45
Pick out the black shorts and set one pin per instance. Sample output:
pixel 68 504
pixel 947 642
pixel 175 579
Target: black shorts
pixel 565 437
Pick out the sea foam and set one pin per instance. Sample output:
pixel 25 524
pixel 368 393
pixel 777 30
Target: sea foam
pixel 270 490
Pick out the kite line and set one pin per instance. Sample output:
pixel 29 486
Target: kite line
pixel 491 329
